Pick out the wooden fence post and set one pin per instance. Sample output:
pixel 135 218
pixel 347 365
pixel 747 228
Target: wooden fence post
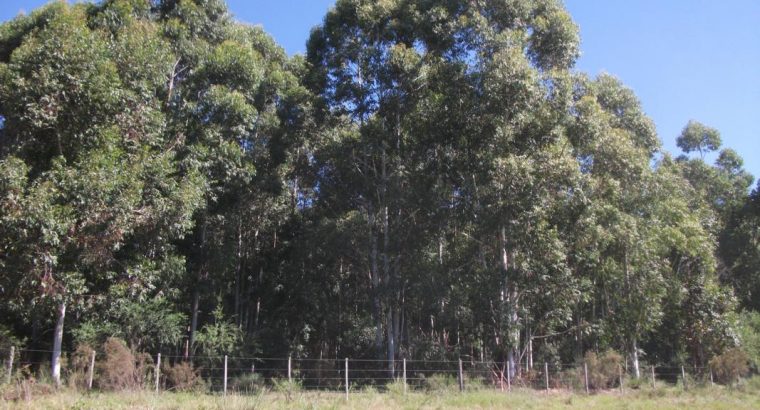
pixel 10 363
pixel 405 375
pixel 712 383
pixel 225 375
pixel 158 371
pixel 654 383
pixel 683 377
pixel 290 369
pixel 501 377
pixel 620 375
pixel 461 377
pixel 585 375
pixel 91 371
pixel 546 375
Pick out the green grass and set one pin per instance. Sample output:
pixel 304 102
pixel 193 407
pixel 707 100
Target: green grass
pixel 744 397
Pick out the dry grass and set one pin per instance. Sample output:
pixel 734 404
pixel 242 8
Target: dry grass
pixel 746 396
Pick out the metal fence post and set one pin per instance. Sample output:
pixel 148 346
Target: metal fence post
pixel 347 378
pixel 158 371
pixel 225 375
pixel 405 375
pixel 509 379
pixel 290 369
pixel 91 371
pixel 546 375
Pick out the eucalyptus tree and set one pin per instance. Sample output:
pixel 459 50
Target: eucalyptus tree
pixel 89 167
pixel 417 84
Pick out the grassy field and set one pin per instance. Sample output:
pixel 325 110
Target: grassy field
pixel 744 397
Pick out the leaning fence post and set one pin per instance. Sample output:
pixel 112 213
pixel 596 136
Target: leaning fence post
pixel 585 375
pixel 683 377
pixel 158 370
pixel 654 384
pixel 10 363
pixel 404 375
pixel 91 371
pixel 461 376
pixel 712 383
pixel 290 369
pixel 620 375
pixel 225 375
pixel 346 375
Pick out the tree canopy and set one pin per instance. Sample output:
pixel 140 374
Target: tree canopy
pixel 433 179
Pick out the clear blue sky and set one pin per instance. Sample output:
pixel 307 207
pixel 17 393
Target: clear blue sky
pixel 685 59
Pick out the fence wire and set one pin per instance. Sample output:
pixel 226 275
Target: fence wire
pixel 251 374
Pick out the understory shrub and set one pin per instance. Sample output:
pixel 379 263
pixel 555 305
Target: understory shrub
pixel 183 377
pixel 603 370
pixel 247 383
pixel 729 366
pixel 122 369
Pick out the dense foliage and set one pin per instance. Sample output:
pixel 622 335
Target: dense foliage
pixel 432 180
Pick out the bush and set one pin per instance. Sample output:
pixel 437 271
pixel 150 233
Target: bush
pixel 80 366
pixel 441 382
pixel 184 378
pixel 729 366
pixel 603 370
pixel 121 369
pixel 247 383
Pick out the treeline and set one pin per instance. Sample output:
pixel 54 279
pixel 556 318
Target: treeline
pixel 432 180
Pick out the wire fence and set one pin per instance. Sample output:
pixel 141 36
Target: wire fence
pixel 233 374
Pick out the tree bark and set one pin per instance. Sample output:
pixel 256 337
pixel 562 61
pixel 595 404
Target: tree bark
pixel 57 340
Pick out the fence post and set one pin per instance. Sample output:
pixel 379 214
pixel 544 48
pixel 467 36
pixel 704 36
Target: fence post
pixel 546 375
pixel 620 375
pixel 509 379
pixel 225 375
pixel 461 376
pixel 158 370
pixel 585 375
pixel 290 369
pixel 683 377
pixel 654 384
pixel 501 377
pixel 91 371
pixel 712 383
pixel 405 375
pixel 346 375
pixel 10 363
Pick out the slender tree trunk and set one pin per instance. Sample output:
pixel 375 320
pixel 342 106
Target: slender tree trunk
pixel 194 317
pixel 57 340
pixel 635 358
pixel 375 279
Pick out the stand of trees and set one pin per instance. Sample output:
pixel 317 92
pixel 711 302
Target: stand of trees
pixel 432 180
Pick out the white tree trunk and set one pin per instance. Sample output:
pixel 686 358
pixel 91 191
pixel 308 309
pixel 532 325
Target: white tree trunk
pixel 635 359
pixel 57 340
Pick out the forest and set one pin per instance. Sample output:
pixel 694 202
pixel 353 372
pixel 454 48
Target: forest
pixel 432 180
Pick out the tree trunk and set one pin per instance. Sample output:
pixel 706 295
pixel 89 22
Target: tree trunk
pixel 194 317
pixel 375 279
pixel 57 340
pixel 635 359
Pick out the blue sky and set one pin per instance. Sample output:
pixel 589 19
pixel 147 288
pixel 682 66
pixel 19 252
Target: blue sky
pixel 685 59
